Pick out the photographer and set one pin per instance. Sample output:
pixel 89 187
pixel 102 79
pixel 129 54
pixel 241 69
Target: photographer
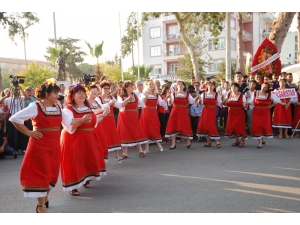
pixel 15 103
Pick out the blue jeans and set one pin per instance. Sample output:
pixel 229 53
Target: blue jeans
pixel 8 150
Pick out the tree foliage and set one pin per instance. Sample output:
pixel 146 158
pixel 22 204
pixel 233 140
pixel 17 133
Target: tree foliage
pixel 132 33
pixel 144 71
pixel 86 68
pixel 113 72
pixel 36 74
pixel 16 22
pixel 193 27
pixel 73 54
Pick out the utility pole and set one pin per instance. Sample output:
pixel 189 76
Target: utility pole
pixel 121 47
pixel 54 30
pixel 24 36
pixel 228 47
pixel 137 15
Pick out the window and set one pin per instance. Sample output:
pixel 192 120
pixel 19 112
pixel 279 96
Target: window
pixel 155 32
pixel 173 29
pixel 214 64
pixel 173 68
pixel 156 70
pixel 16 67
pixel 174 49
pixel 233 23
pixel 3 65
pixel 155 51
pixel 220 44
pixel 233 44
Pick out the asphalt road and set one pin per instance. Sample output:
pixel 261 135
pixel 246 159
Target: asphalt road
pixel 196 180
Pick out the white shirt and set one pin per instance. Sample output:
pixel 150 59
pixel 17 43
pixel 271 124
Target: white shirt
pixel 273 98
pixel 138 94
pixel 159 99
pixel 120 101
pixel 14 105
pixel 212 95
pixel 250 99
pixel 191 100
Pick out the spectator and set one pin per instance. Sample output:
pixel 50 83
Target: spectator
pixel 15 103
pixel 249 96
pixel 239 80
pixel 258 82
pixel 197 88
pixel 158 86
pixel 223 112
pixel 275 82
pixel 5 149
pixel 195 114
pixel 139 85
pixel 31 98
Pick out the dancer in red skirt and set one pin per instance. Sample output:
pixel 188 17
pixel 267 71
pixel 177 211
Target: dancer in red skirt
pixel 261 123
pixel 179 122
pixel 207 126
pixel 111 134
pixel 236 125
pixel 81 160
pixel 40 166
pixel 129 129
pixel 296 101
pixel 149 117
pixel 282 118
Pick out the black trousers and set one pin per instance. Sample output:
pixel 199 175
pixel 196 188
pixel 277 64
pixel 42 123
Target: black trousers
pixel 16 139
pixel 163 119
pixel 140 111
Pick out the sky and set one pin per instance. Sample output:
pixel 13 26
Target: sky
pixel 83 22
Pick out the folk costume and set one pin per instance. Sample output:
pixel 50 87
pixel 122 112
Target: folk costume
pixel 282 116
pixel 261 122
pixel 129 129
pixel 179 121
pixel 207 126
pixel 40 166
pixel 81 159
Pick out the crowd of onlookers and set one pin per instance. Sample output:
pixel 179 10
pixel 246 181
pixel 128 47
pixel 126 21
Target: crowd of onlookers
pixel 13 142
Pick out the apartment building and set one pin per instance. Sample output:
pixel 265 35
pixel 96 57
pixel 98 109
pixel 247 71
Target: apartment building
pixel 162 47
pixel 289 50
pixel 15 66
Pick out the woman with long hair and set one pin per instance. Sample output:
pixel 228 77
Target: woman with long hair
pixel 282 118
pixel 129 129
pixel 111 135
pixel 149 118
pixel 179 122
pixel 81 160
pixel 163 112
pixel 236 124
pixel 261 123
pixel 207 126
pixel 40 165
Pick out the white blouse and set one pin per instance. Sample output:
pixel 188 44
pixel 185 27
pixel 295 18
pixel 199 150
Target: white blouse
pixel 161 102
pixel 31 111
pixel 116 104
pixel 212 95
pixel 120 101
pixel 191 100
pixel 273 98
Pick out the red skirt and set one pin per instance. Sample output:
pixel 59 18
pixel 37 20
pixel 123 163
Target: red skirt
pixel 282 117
pixel 207 124
pixel 40 166
pixel 110 132
pixel 296 118
pixel 102 140
pixel 150 124
pixel 236 125
pixel 261 123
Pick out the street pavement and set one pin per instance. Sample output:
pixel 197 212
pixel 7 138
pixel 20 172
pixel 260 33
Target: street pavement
pixel 196 180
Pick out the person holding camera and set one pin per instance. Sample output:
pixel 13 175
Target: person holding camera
pixel 15 102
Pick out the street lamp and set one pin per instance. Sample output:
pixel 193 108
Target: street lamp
pixel 23 32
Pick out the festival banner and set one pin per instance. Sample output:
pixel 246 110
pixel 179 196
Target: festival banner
pixel 285 93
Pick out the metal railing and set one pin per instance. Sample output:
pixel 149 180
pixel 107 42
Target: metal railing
pixel 247 34
pixel 171 37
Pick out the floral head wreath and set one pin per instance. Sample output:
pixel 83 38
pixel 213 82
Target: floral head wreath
pixel 51 81
pixel 79 84
pixel 105 82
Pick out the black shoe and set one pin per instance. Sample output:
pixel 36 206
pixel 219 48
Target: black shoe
pixel 263 143
pixel 274 134
pixel 171 148
pixel 15 154
pixel 188 146
pixel 47 204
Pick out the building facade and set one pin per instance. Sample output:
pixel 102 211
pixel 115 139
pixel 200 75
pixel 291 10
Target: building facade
pixel 288 54
pixel 162 47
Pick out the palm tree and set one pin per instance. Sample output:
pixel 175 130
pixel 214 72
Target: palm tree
pixel 144 71
pixel 54 54
pixel 96 52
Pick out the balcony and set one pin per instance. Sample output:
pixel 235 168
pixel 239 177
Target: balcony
pixel 268 17
pixel 171 56
pixel 266 32
pixel 246 36
pixel 168 18
pixel 247 17
pixel 171 37
pixel 168 76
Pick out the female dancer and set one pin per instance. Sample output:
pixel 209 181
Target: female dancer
pixel 282 113
pixel 149 118
pixel 111 134
pixel 81 160
pixel 261 123
pixel 207 126
pixel 129 128
pixel 179 122
pixel 163 113
pixel 236 125
pixel 40 166
pixel 296 125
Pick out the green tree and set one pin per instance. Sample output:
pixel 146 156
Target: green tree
pixel 144 71
pixel 132 33
pixel 36 74
pixel 113 72
pixel 86 68
pixel 194 25
pixel 74 54
pixel 96 52
pixel 222 70
pixel 6 81
pixel 17 22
